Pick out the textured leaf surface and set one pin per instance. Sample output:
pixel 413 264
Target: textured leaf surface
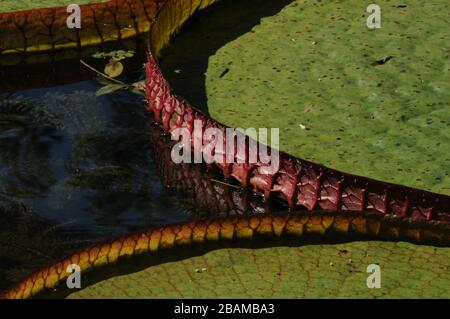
pixel 13 5
pixel 407 270
pixel 314 271
pixel 308 70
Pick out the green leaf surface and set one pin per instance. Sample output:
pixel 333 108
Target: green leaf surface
pixel 313 271
pixel 13 5
pixel 309 70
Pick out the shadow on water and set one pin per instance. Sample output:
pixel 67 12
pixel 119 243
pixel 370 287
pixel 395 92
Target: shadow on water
pixel 29 242
pixel 185 61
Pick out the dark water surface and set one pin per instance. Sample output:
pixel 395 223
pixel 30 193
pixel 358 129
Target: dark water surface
pixel 74 169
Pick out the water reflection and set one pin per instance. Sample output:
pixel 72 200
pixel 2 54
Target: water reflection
pixel 27 136
pixel 29 242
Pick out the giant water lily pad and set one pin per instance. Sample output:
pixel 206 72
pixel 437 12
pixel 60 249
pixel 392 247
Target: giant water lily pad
pixel 14 5
pixel 314 271
pixel 322 270
pixel 312 71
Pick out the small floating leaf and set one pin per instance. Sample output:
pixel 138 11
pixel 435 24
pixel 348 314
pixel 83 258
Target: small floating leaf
pixel 99 55
pixel 114 68
pixel 117 55
pixel 129 54
pixel 110 88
